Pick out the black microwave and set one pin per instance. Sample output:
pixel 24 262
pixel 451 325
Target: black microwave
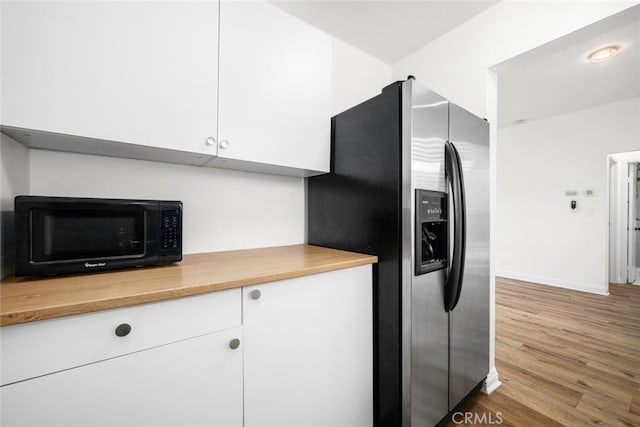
pixel 58 235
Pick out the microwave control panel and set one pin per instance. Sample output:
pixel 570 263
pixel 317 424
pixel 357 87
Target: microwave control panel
pixel 170 229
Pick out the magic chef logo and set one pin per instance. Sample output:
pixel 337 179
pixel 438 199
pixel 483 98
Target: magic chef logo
pixel 95 264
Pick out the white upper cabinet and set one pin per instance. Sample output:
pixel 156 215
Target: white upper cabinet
pixel 275 88
pixel 134 72
pixel 140 79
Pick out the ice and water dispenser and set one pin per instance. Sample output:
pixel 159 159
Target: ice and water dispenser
pixel 432 231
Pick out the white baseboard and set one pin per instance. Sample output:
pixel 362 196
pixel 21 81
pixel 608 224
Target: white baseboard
pixel 559 283
pixel 492 382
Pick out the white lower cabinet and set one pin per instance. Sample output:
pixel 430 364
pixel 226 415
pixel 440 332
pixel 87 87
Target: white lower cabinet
pixel 168 363
pixel 196 382
pixel 308 351
pixel 290 353
pixel 30 350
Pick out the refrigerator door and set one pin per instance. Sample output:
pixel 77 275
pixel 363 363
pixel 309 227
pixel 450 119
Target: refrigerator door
pixel 469 320
pixel 425 373
pixel 429 352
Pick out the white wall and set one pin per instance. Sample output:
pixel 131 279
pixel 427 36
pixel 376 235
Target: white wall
pixel 223 209
pixel 457 65
pixel 357 76
pixel 538 237
pixel 14 180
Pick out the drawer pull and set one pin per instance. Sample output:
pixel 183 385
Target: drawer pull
pixel 123 330
pixel 255 294
pixel 234 343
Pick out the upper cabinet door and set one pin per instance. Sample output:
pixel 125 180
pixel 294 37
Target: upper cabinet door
pixel 275 88
pixel 136 72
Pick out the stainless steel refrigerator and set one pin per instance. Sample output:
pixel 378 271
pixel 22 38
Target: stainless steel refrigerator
pixel 409 182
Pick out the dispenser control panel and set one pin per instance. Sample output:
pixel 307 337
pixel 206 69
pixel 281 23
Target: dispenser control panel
pixel 432 231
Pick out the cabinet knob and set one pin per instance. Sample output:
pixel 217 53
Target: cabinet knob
pixel 123 330
pixel 234 343
pixel 210 141
pixel 255 294
pixel 224 144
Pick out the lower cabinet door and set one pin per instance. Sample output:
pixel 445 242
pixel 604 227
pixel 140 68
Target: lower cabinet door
pixel 308 353
pixel 195 382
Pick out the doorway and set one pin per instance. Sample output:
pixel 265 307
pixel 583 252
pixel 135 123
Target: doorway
pixel 633 225
pixel 624 218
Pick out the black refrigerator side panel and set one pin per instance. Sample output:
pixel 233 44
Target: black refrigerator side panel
pixel 357 208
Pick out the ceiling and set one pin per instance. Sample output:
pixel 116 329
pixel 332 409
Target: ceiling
pixel 386 29
pixel 556 78
pixel 552 79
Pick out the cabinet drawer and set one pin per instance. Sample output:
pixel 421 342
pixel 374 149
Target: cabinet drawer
pixel 192 383
pixel 32 349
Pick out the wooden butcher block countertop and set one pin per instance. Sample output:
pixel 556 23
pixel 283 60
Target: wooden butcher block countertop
pixel 30 299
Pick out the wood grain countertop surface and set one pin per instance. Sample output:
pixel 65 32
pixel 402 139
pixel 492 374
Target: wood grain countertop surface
pixel 27 299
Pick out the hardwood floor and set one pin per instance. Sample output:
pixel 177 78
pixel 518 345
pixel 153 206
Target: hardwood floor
pixel 565 358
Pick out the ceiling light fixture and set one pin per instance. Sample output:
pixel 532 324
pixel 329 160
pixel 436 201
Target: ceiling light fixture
pixel 603 54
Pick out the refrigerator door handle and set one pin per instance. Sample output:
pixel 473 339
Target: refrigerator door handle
pixel 453 284
pixel 462 225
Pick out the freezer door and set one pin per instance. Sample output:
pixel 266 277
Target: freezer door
pixel 469 320
pixel 429 350
pixel 429 131
pixel 425 321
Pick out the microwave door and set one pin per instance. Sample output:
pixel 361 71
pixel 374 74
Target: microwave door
pixel 87 234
